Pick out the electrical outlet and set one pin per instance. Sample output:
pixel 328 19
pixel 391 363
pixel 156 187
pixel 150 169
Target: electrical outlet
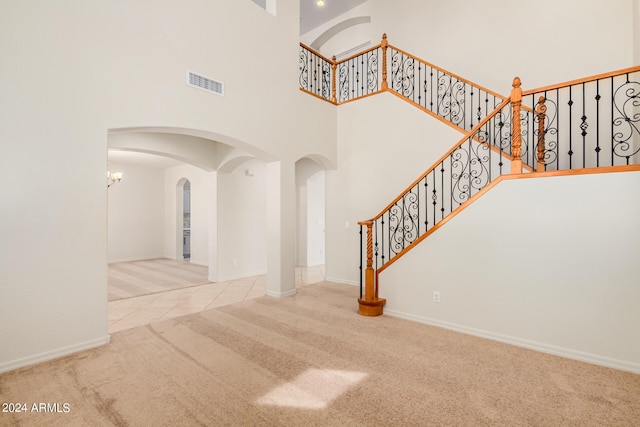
pixel 436 296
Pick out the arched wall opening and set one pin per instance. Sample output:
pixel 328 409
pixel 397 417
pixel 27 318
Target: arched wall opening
pixel 310 207
pixel 183 219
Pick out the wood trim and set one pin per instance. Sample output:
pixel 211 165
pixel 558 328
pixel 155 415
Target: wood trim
pixel 360 97
pixel 315 52
pixel 462 79
pixel 572 172
pixel 355 55
pixel 441 159
pixel 318 96
pixel 582 80
pixel 431 113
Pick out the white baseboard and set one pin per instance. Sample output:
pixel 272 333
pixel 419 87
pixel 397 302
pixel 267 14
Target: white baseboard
pixel 236 277
pixel 568 353
pixel 143 258
pixel 290 293
pixel 53 354
pixel 342 281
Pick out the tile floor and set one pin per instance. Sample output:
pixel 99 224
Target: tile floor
pixel 137 311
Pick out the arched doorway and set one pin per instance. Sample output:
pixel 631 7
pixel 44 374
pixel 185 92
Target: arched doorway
pixel 183 219
pixel 310 242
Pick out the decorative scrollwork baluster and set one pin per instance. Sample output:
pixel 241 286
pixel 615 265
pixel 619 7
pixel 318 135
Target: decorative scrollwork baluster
pixel 304 69
pixel 626 122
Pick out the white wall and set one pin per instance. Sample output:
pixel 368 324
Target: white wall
pixel 242 223
pixel 136 213
pixel 553 266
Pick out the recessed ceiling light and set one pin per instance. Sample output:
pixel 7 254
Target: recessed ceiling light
pixel 320 3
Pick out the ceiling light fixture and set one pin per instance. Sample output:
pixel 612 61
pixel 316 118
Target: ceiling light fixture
pixel 320 3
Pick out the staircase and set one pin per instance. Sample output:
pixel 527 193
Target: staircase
pixel 590 125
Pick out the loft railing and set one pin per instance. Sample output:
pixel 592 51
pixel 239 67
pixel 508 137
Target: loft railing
pixel 444 94
pixel 316 75
pixel 360 75
pixel 587 123
pixel 451 98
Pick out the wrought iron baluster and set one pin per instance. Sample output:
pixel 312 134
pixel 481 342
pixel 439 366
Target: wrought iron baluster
pixel 376 248
pixel 584 126
pixel 303 79
pixel 382 234
pixel 612 123
pixel 426 206
pixel 471 108
pixel 558 114
pixel 419 83
pixel 432 91
pixel 361 254
pixel 570 128
pixel 626 99
pixel 354 78
pixel 597 98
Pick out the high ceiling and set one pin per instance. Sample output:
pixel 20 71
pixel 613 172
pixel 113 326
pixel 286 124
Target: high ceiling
pixel 312 15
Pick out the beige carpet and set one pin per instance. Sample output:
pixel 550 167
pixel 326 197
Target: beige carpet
pixel 137 278
pixel 311 360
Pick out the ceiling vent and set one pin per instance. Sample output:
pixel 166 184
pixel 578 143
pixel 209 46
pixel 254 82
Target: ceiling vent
pixel 202 82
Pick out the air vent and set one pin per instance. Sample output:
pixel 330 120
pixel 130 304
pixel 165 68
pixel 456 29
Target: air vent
pixel 205 83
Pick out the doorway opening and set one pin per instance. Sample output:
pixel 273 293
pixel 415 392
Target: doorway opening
pixel 183 220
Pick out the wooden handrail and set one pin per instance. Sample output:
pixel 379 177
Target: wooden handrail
pixel 315 52
pixel 462 79
pixel 489 186
pixel 582 80
pixel 444 156
pixel 355 55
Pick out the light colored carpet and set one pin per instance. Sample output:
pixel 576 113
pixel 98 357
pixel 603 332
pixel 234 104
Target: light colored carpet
pixel 312 360
pixel 137 278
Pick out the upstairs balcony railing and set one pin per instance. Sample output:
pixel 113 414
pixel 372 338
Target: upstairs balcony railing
pixel 586 123
pixel 453 99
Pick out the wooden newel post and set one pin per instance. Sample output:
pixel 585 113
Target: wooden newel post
pixel 384 45
pixel 334 67
pixel 370 305
pixel 516 137
pixel 541 112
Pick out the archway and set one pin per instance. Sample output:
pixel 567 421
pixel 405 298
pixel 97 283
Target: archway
pixel 310 205
pixel 183 219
